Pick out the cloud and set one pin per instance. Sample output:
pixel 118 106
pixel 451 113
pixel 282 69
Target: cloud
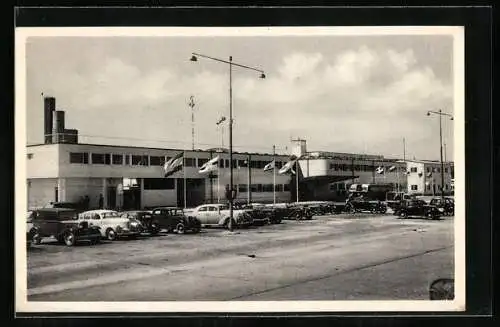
pixel 358 96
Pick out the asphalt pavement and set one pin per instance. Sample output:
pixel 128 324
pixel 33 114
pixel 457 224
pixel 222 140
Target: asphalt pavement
pixel 338 257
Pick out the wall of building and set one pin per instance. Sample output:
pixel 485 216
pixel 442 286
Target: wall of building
pixel 41 191
pixel 420 183
pixel 42 161
pixel 157 198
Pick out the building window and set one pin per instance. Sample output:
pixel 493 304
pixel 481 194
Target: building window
pixel 428 169
pixel 267 188
pixel 428 187
pixel 156 161
pixel 159 183
pixel 127 159
pixel 226 163
pixel 29 156
pixel 279 187
pixel 279 164
pixel 97 158
pixel 439 170
pixel 117 159
pixel 107 159
pixel 414 187
pixel 446 186
pixel 190 162
pixel 242 163
pixel 433 169
pixel 202 161
pixel 221 163
pixel 140 160
pixel 286 187
pixel 242 188
pixel 446 170
pixel 413 169
pixel 79 157
pixel 253 187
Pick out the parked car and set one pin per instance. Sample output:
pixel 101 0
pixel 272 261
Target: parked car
pixel 63 224
pixel 32 231
pixel 218 215
pixel 111 224
pixel 448 205
pixel 416 207
pixel 173 219
pixel 148 222
pixel 299 211
pixel 360 204
pixel 260 214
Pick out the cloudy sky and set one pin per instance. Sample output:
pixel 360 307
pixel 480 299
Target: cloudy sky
pixel 360 94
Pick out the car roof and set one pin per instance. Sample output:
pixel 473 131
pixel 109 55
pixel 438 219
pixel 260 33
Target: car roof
pixel 99 211
pixel 55 210
pixel 167 208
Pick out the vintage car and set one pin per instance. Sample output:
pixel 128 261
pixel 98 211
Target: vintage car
pixel 32 231
pixel 319 208
pixel 417 207
pixel 111 224
pixel 218 215
pixel 149 224
pixel 260 214
pixel 173 219
pixel 448 205
pixel 63 224
pixel 360 204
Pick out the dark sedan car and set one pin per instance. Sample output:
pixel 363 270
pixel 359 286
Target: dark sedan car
pixel 64 226
pixel 416 208
pixel 148 223
pixel 364 204
pixel 173 219
pixel 448 205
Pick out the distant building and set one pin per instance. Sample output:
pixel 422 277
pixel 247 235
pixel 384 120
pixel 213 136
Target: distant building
pixel 424 177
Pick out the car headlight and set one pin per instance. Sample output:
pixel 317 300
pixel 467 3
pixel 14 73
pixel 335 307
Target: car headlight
pixel 441 209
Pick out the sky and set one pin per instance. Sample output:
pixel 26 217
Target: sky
pixel 356 94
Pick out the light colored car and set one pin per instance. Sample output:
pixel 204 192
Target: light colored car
pixel 218 215
pixel 111 224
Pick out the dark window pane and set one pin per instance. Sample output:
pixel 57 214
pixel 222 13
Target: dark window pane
pixel 136 160
pixel 79 157
pixel 127 159
pixel 279 187
pixel 242 188
pixel 117 159
pixel 159 183
pixel 155 161
pixel 253 187
pixel 202 161
pixel 190 162
pixel 286 187
pixel 107 159
pixel 97 158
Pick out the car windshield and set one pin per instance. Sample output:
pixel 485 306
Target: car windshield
pixel 111 214
pixel 223 207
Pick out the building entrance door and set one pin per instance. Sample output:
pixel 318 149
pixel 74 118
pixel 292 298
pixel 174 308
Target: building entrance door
pixel 111 194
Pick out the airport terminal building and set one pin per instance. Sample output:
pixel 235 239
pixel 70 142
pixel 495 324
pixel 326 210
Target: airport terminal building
pixel 128 177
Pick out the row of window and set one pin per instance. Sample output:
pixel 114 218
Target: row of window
pixel 428 187
pixel 432 169
pixel 349 167
pixel 169 184
pixel 145 160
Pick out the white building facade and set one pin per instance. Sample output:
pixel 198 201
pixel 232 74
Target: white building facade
pixel 133 177
pixel 424 177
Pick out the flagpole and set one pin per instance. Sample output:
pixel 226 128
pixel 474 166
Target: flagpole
pixel 297 177
pixel 274 175
pixel 218 182
pixel 184 173
pixel 249 176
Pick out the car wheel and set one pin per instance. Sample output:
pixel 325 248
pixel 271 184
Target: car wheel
pixel 374 210
pixel 95 241
pixel 180 228
pixel 36 239
pixel 196 230
pixel 110 234
pixel 403 214
pixel 69 238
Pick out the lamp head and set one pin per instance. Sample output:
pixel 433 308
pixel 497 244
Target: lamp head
pixel 262 75
pixel 451 118
pixel 428 113
pixel 194 58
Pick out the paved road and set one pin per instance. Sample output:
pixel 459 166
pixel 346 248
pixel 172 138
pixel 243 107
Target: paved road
pixel 341 257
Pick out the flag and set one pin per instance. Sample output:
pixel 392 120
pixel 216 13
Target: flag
pixel 379 170
pixel 269 166
pixel 288 166
pixel 209 166
pixel 174 164
pixel 429 174
pixel 392 168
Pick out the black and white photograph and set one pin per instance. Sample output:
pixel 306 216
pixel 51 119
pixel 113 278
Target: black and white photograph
pixel 240 169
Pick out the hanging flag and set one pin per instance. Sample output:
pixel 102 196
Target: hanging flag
pixel 429 174
pixel 408 172
pixel 392 168
pixel 288 166
pixel 209 166
pixel 174 164
pixel 379 170
pixel 270 166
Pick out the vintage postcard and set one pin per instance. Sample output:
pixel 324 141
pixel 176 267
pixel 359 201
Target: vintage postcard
pixel 258 170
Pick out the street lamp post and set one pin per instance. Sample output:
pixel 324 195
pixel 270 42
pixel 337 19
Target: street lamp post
pixel 262 75
pixel 441 114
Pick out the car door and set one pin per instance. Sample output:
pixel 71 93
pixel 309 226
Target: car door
pixel 202 215
pixel 213 215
